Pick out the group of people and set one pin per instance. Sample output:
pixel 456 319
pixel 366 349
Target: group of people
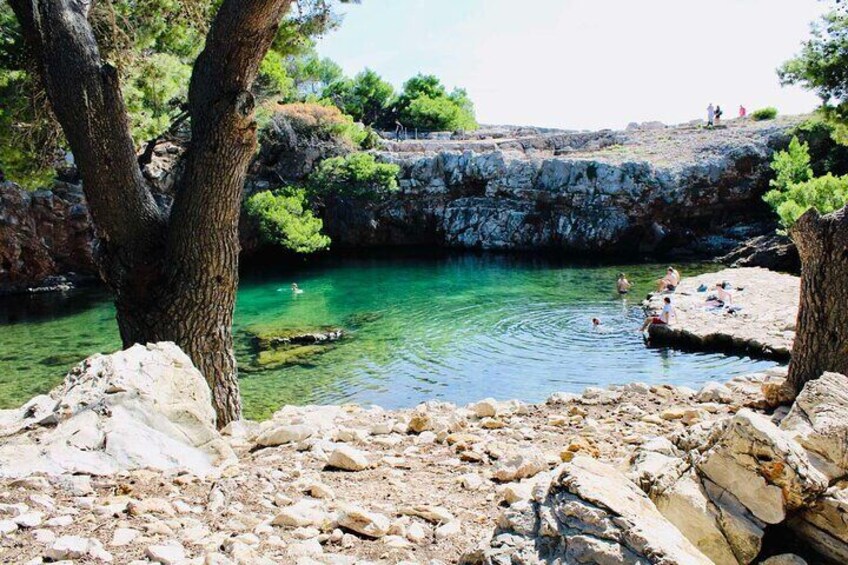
pixel 714 114
pixel 667 283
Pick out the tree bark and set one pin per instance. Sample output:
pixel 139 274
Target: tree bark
pixel 173 279
pixel 821 333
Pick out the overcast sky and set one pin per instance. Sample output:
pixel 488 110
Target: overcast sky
pixel 584 63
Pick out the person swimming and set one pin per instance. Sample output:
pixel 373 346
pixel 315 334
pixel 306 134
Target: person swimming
pixel 623 285
pixel 296 289
pixel 596 322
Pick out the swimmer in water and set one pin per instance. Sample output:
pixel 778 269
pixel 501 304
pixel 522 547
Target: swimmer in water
pixel 623 285
pixel 596 322
pixel 296 289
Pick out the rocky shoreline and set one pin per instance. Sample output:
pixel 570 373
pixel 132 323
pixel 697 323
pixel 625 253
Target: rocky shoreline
pixel 659 474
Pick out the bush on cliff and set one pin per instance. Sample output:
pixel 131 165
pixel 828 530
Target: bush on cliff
pixel 285 219
pixel 425 104
pixel 795 190
pixel 762 114
pixel 307 122
pixel 357 175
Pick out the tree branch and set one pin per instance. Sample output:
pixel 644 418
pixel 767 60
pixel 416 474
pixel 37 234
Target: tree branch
pixel 86 98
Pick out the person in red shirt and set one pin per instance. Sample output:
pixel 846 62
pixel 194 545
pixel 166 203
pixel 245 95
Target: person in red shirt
pixel 742 111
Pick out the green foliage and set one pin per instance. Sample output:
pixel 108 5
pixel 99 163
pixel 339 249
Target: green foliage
pixel 153 44
pixel 285 219
pixel 827 154
pixel 795 190
pixel 312 123
pixel 768 113
pixel 826 194
pixel 822 67
pixel 425 104
pixel 357 174
pixel 791 166
pixel 367 97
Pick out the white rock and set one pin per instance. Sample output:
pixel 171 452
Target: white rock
pixel 431 513
pixel 155 412
pixel 170 553
pixel 715 392
pixel 471 481
pixel 370 524
pixel 284 434
pixel 448 530
pixel 7 527
pixel 29 519
pixel 68 547
pixel 416 533
pixel 784 559
pixel 763 467
pixel 123 536
pixel 486 408
pixel 303 513
pixel 818 420
pixel 348 458
pixel 687 506
pixel 43 536
pixel 521 465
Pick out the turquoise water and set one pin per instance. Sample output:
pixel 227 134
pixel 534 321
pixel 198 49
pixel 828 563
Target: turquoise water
pixel 457 328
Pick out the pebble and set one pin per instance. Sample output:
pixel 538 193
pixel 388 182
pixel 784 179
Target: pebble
pixel 348 459
pixel 170 553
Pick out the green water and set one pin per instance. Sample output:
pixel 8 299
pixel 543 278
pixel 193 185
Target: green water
pixel 457 328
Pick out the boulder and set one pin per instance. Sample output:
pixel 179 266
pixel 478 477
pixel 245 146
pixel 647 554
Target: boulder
pixel 348 458
pixel 144 407
pixel 825 525
pixel 369 524
pixel 819 421
pixel 589 513
pixel 763 467
pixel 520 466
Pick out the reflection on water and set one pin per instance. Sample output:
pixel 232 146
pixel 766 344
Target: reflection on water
pixel 457 328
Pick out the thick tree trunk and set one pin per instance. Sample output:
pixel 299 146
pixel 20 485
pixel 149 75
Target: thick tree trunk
pixel 174 279
pixel 821 333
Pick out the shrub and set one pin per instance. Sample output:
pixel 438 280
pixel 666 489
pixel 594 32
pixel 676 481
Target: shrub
pixel 826 194
pixel 768 113
pixel 303 123
pixel 284 219
pixel 358 174
pixel 438 114
pixel 791 166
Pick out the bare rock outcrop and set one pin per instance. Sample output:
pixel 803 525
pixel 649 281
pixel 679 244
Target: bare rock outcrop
pixel 588 513
pixel 145 407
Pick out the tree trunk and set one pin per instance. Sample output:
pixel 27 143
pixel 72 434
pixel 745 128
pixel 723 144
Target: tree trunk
pixel 174 278
pixel 821 332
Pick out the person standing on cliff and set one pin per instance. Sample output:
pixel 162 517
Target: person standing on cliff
pixel 743 112
pixel 710 115
pixel 718 114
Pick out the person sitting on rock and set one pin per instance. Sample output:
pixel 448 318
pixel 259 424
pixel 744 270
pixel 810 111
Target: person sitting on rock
pixel 723 296
pixel 670 281
pixel 623 285
pixel 665 316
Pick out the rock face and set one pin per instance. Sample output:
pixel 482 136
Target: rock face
pixel 143 407
pixel 590 513
pixel 639 190
pixel 43 234
pixel 770 251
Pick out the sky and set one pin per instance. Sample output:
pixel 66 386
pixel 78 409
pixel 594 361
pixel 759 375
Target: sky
pixel 585 64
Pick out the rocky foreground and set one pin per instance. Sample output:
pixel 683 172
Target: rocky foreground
pixel 760 320
pixel 122 464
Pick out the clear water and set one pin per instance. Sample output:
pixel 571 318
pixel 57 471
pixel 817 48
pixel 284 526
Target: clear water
pixel 457 328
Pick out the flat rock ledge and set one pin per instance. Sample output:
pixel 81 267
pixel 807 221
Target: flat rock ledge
pixel 622 475
pixel 763 327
